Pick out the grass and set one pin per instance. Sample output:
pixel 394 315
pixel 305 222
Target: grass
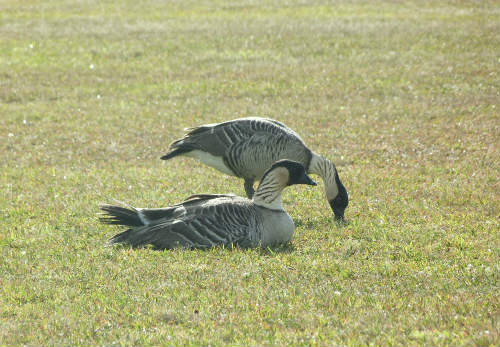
pixel 403 96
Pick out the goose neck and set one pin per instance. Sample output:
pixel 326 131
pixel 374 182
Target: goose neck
pixel 326 169
pixel 268 194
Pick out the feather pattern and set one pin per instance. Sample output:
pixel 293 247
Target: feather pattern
pixel 206 223
pixel 247 147
pixel 206 220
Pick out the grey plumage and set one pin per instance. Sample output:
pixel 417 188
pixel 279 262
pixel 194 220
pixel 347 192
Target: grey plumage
pixel 206 220
pixel 246 147
pixel 195 223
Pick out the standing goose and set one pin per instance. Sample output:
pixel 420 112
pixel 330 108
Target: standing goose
pixel 205 220
pixel 246 147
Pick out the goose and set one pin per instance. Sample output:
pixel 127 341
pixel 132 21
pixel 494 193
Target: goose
pixel 208 220
pixel 246 147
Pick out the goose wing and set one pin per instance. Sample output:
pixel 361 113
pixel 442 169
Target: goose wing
pixel 216 139
pixel 219 221
pixel 198 198
pixel 251 157
pixel 133 217
pixel 211 138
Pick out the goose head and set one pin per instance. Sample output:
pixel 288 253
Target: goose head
pixel 336 194
pixel 281 174
pixel 339 202
pixel 288 172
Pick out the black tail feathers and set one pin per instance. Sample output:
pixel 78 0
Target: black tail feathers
pixel 122 237
pixel 175 152
pixel 120 216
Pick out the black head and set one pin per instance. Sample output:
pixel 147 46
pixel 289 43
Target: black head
pixel 340 202
pixel 296 172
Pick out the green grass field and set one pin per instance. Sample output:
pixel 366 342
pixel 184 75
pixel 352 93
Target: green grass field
pixel 402 95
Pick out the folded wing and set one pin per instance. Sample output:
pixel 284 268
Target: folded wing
pixel 206 221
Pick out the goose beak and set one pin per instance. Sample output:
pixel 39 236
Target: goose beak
pixel 339 216
pixel 338 211
pixel 305 179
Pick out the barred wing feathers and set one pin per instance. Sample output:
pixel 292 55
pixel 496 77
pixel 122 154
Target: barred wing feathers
pixel 207 221
pixel 217 139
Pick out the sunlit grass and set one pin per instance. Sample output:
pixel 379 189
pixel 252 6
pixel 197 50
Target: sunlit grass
pixel 402 96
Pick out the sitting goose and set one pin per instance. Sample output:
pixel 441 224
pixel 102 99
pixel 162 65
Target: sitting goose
pixel 205 220
pixel 246 147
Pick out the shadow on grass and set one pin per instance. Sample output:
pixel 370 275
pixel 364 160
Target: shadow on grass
pixel 281 249
pixel 315 223
pixel 267 251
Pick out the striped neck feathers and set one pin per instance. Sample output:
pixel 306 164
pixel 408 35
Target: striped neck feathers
pixel 268 194
pixel 326 169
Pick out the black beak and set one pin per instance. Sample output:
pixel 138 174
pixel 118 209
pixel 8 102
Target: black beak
pixel 338 209
pixel 305 179
pixel 339 216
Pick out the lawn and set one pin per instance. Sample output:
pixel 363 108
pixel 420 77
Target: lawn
pixel 402 95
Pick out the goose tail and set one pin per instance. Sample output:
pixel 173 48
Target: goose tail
pixel 176 148
pixel 174 152
pixel 118 215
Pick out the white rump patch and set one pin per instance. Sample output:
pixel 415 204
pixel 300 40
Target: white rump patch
pixel 142 217
pixel 210 160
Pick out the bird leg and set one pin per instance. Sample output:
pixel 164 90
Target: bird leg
pixel 249 187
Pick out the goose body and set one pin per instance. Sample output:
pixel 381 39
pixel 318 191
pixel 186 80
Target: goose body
pixel 247 147
pixel 208 220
